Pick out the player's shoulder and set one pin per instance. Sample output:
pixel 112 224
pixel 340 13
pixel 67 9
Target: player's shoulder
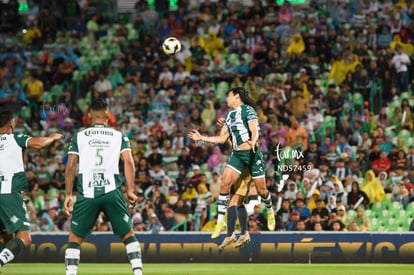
pixel 248 108
pixel 18 136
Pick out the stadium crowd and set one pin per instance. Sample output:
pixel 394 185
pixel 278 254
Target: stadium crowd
pixel 332 81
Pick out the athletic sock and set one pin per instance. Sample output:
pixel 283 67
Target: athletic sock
pixel 231 220
pixel 133 251
pixel 72 257
pixel 12 249
pixel 2 246
pixel 268 203
pixel 222 202
pixel 242 215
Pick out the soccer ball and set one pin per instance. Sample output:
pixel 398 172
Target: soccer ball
pixel 171 46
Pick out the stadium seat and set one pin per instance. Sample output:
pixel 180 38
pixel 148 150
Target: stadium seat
pixel 384 214
pixel 358 100
pixel 402 213
pixel 369 213
pixel 25 113
pixel 247 57
pixel 403 221
pixel 410 209
pixel 351 214
pixel 391 225
pixel 381 228
pixel 394 104
pixel 271 77
pixel 388 196
pixel 375 224
pixel 406 95
pixel 377 207
pixel 221 90
pixel 404 134
pixel 395 208
pixel 233 58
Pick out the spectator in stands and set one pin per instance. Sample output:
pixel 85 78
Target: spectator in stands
pixel 92 28
pixel 372 187
pixel 298 105
pixel 382 164
pixel 335 103
pixel 362 221
pixel 293 220
pixel 34 90
pixel 315 117
pixel 401 61
pixel 297 135
pixel 301 207
pixel 102 86
pixel 321 211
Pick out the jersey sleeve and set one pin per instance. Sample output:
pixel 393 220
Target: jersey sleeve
pixel 125 144
pixel 73 147
pixel 22 140
pixel 251 114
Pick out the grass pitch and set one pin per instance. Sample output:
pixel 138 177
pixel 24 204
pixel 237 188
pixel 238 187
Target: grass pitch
pixel 212 269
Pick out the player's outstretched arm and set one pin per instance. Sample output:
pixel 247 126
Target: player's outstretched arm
pixel 129 168
pixel 69 180
pixel 224 135
pixel 42 142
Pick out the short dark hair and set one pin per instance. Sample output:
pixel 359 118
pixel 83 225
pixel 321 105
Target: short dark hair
pixel 5 117
pixel 98 105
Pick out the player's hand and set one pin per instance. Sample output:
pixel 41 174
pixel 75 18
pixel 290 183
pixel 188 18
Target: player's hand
pixel 194 135
pixel 68 205
pixel 132 198
pixel 220 123
pixel 252 146
pixel 56 136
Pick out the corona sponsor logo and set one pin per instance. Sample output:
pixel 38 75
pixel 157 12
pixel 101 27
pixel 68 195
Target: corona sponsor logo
pixel 92 132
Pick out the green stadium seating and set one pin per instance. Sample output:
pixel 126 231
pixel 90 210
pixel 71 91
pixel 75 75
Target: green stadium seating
pixel 358 100
pixel 247 57
pixel 378 207
pixel 395 208
pixel 351 214
pixel 375 224
pixel 369 213
pixel 410 209
pixel 233 58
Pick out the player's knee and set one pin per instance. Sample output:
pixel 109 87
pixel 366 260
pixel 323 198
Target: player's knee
pixel 262 192
pixel 28 240
pixel 127 235
pixel 25 237
pixel 225 187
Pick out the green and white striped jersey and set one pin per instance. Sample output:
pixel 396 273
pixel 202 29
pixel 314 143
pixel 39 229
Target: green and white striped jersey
pixel 237 123
pixel 12 175
pixel 98 148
